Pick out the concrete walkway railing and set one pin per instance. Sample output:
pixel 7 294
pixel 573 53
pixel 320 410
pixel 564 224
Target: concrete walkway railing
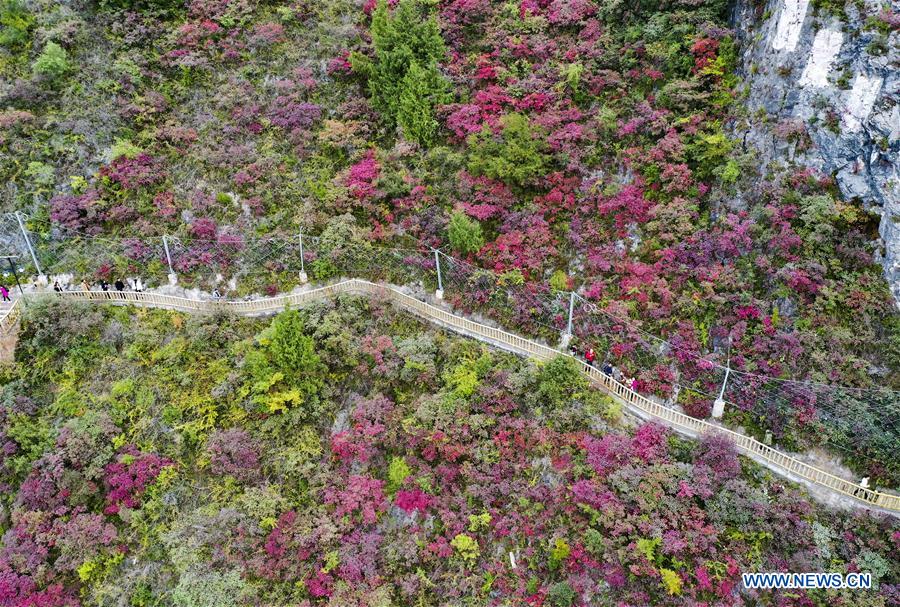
pixel 9 318
pixel 643 407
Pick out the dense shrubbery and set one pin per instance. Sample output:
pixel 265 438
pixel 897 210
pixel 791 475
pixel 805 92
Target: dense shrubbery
pixel 427 470
pixel 52 63
pixel 17 22
pixel 587 140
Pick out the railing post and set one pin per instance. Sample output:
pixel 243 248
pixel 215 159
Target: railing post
pixel 303 277
pixel 173 277
pixel 42 278
pixel 439 294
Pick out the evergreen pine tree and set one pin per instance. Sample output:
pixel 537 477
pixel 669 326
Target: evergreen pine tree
pixel 404 81
pixel 421 89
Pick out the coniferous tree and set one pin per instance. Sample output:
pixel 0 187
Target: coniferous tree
pixel 465 234
pixel 422 89
pixel 403 78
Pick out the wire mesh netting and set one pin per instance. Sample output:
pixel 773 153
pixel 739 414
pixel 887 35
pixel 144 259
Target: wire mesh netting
pixel 860 424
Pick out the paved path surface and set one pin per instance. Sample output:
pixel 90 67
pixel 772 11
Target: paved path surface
pixel 8 338
pixel 822 484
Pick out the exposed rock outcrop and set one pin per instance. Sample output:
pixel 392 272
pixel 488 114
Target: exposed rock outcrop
pixel 823 92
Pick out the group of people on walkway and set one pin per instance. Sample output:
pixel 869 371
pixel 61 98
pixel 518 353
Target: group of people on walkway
pixel 133 284
pixel 607 368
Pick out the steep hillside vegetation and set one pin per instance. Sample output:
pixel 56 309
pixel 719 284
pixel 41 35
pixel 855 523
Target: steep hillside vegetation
pixel 344 454
pixel 563 144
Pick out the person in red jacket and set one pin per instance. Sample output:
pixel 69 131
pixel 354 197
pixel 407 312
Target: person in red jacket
pixel 589 356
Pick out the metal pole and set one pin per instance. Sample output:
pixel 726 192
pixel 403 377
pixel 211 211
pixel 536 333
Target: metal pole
pixel 719 405
pixel 571 309
pixel 437 263
pixel 724 383
pixel 302 260
pixel 303 276
pixel 168 257
pixel 302 263
pixel 37 266
pixel 15 276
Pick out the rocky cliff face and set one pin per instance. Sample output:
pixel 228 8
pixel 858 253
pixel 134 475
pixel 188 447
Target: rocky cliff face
pixel 824 91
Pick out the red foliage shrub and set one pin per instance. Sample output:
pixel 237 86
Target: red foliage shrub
pixel 704 51
pixel 204 227
pixel 718 453
pixel 362 176
pixel 233 452
pixel 83 213
pixel 413 500
pixel 291 114
pixel 362 495
pixel 464 120
pixel 132 173
pixel 569 12
pixel 525 243
pixel 129 476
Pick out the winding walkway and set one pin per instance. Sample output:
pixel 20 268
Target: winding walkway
pixel 824 485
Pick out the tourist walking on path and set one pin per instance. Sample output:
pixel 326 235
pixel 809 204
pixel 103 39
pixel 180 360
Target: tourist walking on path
pixel 120 286
pixel 5 293
pixel 56 286
pixel 589 356
pixel 85 286
pixel 138 285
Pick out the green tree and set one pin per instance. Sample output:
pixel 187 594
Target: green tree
pixel 52 63
pixel 422 89
pixel 516 157
pixel 709 152
pixel 465 233
pixel 285 371
pixel 15 24
pixel 403 78
pixel 670 581
pixel 199 588
pixel 466 547
pixel 559 380
pixel 559 281
pixel 398 471
pixel 561 595
pixel 342 247
pixel 293 352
